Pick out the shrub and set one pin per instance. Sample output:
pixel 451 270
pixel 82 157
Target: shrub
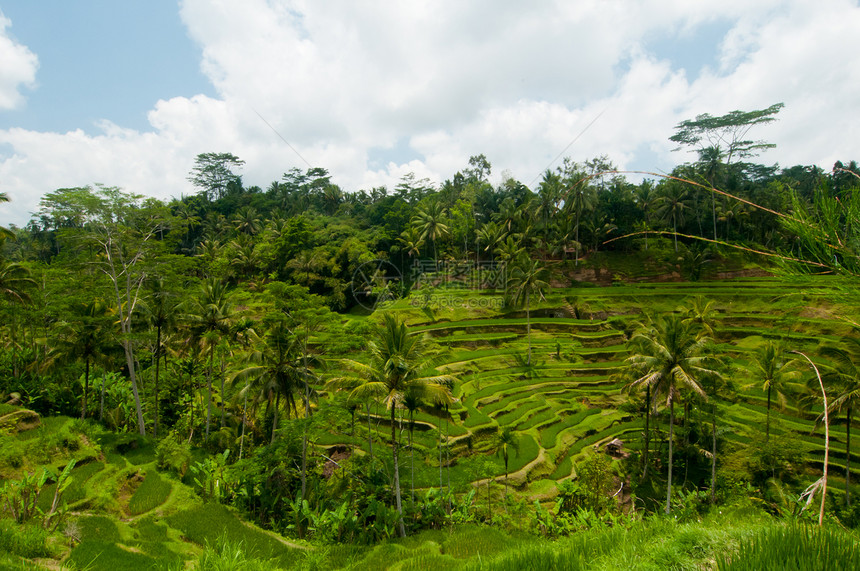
pixel 172 454
pixel 27 541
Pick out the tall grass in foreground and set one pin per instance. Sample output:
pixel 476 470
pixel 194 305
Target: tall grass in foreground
pixel 795 548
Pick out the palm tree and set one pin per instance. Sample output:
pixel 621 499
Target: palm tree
pixel 845 371
pixel 580 199
pixel 160 309
pixel 275 370
pixel 673 203
pixel 247 221
pixel 527 278
pixel 506 441
pixel 398 366
pixel 83 339
pixel 429 220
pixel 710 161
pixel 14 281
pixel 412 402
pixel 210 314
pixel 411 241
pixel 491 235
pixel 644 197
pixel 774 371
pixel 669 357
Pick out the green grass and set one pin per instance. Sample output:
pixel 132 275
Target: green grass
pixel 795 547
pixel 210 521
pixel 150 494
pixel 98 555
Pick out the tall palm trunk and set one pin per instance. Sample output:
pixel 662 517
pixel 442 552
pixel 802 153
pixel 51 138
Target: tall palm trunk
pixel 647 429
pixel 209 384
pixel 669 483
pixel 275 415
pixel 713 452
pixel 412 452
pixel 396 472
pixel 528 329
pixel 86 390
pixel 369 432
pixel 848 458
pixel 767 424
pixel 157 364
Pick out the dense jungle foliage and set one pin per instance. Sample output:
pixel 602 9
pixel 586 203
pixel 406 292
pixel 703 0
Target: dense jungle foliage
pixel 585 359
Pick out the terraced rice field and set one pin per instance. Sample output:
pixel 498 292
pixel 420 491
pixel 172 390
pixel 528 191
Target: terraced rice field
pixel 570 399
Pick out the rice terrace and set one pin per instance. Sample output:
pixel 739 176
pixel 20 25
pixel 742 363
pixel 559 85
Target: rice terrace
pixel 602 369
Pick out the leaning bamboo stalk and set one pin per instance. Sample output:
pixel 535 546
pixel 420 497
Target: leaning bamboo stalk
pixel 826 439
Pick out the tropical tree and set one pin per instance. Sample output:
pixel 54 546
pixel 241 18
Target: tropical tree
pixel 579 200
pixel 430 221
pixel 844 373
pixel 528 278
pixel 15 280
pixel 160 308
pixel 246 220
pixel 670 358
pixel 775 373
pixel 210 314
pixel 399 365
pixel 83 338
pixel 491 235
pixel 673 204
pixel 506 442
pixel 274 370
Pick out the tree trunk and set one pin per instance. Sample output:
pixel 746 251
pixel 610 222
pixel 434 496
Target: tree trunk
pixel 86 390
pixel 528 329
pixel 275 415
pixel 848 459
pixel 129 358
pixel 244 418
pixel 209 384
pixel 102 402
pixel 396 473
pixel 669 483
pixel 675 229
pixel 713 453
pixel 369 432
pixel 647 429
pixel 412 454
pixel 157 365
pixel 767 423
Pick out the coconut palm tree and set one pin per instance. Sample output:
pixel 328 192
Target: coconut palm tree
pixel 160 308
pixel 775 373
pixel 399 365
pixel 845 374
pixel 83 338
pixel 673 204
pixel 670 358
pixel 528 278
pixel 14 281
pixel 580 199
pixel 274 371
pixel 506 442
pixel 430 221
pixel 210 314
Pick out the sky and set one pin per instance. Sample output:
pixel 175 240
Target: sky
pixel 127 93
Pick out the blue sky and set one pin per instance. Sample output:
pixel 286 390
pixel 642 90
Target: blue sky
pixel 101 60
pixel 128 92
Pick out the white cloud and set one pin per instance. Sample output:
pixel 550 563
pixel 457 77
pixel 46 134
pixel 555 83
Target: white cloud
pixel 17 70
pixel 451 79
